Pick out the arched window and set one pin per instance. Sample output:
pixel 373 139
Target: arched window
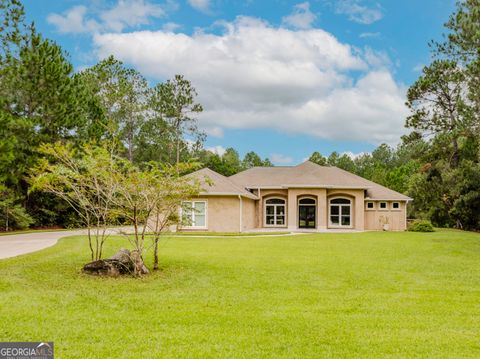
pixel 340 210
pixel 307 201
pixel 275 212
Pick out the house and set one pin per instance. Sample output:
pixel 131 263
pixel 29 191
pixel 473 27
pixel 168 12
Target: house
pixel 303 197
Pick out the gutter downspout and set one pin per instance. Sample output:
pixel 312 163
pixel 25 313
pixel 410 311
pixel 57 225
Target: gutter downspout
pixel 241 213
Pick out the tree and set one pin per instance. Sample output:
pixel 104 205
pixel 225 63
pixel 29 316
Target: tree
pixel 438 103
pixel 123 94
pixel 252 159
pixel 167 198
pixel 316 157
pixel 12 214
pixel 175 102
pixel 88 180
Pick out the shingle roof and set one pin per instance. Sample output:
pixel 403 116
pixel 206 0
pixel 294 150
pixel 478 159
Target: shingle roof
pixel 213 183
pixel 309 174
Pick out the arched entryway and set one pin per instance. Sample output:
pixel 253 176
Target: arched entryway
pixel 307 212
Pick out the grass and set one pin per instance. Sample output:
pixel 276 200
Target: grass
pixel 9 233
pixel 376 294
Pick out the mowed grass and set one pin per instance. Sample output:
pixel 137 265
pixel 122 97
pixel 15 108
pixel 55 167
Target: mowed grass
pixel 319 295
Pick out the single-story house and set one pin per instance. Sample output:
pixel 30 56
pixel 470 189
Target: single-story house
pixel 303 197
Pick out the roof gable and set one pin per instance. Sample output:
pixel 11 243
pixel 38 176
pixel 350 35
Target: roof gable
pixel 309 174
pixel 213 183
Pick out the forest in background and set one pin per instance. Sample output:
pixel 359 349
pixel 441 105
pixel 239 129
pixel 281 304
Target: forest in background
pixel 43 100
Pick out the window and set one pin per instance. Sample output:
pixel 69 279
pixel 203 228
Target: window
pixel 340 212
pixel 396 205
pixel 275 212
pixel 370 205
pixel 383 205
pixel 194 214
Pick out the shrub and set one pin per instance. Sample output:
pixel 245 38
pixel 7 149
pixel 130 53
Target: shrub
pixel 421 226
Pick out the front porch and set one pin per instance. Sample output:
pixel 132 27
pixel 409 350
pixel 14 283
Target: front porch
pixel 310 210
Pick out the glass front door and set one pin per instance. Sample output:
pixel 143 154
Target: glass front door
pixel 306 216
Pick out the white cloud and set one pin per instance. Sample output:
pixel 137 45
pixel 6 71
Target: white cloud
pixel 301 17
pixel 201 5
pixel 130 13
pixel 280 159
pixel 359 13
pixel 73 20
pixel 125 14
pixel 219 150
pixel 171 27
pixel 254 75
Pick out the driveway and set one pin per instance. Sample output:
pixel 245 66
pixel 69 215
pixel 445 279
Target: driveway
pixel 16 244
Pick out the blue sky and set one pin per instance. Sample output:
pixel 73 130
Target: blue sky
pixel 282 78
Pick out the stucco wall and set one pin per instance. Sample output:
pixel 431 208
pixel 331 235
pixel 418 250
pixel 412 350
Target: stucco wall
pixel 249 220
pixel 374 219
pixel 222 214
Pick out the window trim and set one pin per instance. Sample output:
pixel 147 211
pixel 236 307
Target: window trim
pixel 396 209
pixel 275 205
pixel 205 201
pixel 306 204
pixel 370 209
pixel 330 224
pixel 380 206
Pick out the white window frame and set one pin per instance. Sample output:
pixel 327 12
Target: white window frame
pixel 205 202
pixel 380 206
pixel 275 205
pixel 339 225
pixel 396 209
pixel 370 209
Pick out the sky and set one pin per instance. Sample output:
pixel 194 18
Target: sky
pixel 281 78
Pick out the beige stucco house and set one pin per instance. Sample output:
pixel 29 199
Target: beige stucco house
pixel 303 197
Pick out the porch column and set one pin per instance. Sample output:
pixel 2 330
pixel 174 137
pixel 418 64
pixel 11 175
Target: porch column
pixel 292 210
pixel 322 209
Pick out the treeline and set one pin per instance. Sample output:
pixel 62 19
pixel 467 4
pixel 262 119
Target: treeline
pixel 43 100
pixel 438 163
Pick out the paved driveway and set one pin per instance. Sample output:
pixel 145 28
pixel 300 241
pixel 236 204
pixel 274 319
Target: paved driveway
pixel 16 244
pixel 22 243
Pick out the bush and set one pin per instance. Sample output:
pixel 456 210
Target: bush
pixel 421 226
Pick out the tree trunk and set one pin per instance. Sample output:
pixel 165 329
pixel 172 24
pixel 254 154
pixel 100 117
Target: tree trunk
pixel 155 255
pixel 130 144
pixel 455 157
pixel 178 146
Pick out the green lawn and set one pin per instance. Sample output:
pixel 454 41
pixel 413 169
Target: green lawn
pixel 320 295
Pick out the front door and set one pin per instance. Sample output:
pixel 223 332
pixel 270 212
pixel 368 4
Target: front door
pixel 306 216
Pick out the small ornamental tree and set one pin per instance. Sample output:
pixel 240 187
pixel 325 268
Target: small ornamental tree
pixel 88 180
pixel 172 191
pixel 151 199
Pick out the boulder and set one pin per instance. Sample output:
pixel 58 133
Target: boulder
pixel 121 263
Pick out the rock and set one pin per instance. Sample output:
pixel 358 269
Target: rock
pixel 101 267
pixel 122 262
